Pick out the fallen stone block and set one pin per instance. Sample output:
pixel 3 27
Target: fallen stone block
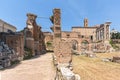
pixel 116 59
pixel 77 77
pixel 90 54
pixel 105 60
pixel 67 74
pixel 76 52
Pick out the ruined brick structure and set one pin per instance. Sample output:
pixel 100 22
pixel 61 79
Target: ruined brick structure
pixel 48 40
pixel 62 50
pixel 34 38
pixel 82 38
pixel 63 54
pixel 48 36
pixel 14 41
pixel 89 38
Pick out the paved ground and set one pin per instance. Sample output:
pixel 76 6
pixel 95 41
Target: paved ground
pixel 40 68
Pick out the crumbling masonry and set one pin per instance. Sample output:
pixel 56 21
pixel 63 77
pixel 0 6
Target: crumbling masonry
pixel 34 38
pixel 62 50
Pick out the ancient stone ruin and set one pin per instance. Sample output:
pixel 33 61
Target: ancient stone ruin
pixel 34 37
pixel 62 50
pixel 11 48
pixel 7 55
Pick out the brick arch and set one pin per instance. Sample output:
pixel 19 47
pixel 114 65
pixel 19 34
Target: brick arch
pixel 85 41
pixel 74 44
pixel 85 44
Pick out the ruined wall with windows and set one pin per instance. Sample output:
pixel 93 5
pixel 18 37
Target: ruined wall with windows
pixel 34 37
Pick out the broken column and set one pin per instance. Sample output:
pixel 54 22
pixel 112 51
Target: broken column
pixel 62 49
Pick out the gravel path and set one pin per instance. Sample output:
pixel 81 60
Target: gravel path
pixel 40 68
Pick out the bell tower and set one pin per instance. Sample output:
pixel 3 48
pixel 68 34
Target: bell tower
pixel 85 22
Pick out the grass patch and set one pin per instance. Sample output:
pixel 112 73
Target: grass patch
pixel 95 68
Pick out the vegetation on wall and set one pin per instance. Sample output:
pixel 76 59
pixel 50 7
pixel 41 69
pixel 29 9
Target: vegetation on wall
pixel 49 46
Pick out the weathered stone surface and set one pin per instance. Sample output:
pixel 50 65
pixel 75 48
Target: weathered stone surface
pixel 67 74
pixel 116 59
pixel 34 37
pixel 7 55
pixel 105 59
pixel 77 77
pixel 62 50
pixel 1 67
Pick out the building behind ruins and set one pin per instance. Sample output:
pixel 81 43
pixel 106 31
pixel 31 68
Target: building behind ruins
pixel 5 27
pixel 89 37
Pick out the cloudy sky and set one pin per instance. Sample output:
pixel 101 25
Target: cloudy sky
pixel 73 12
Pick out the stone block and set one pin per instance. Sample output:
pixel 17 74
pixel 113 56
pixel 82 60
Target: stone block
pixel 116 59
pixel 105 60
pixel 67 74
pixel 90 54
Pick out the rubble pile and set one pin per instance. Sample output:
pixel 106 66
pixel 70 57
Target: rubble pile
pixel 7 55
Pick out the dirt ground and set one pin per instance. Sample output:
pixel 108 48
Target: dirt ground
pixel 40 68
pixel 95 68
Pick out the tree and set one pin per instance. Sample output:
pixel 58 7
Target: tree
pixel 115 36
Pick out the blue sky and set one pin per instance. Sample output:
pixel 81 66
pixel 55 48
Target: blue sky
pixel 73 12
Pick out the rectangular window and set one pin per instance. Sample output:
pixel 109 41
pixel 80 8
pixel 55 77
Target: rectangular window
pixel 91 37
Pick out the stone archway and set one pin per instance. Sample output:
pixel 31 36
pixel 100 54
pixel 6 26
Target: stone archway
pixel 74 44
pixel 49 45
pixel 84 45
